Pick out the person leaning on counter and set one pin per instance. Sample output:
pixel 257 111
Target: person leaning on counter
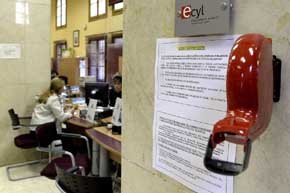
pixel 49 107
pixel 116 90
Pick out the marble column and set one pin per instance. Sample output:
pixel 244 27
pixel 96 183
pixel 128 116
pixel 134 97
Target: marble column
pixel 26 23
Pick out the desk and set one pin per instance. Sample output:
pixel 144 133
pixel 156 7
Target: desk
pixel 110 147
pixel 82 123
pixel 104 137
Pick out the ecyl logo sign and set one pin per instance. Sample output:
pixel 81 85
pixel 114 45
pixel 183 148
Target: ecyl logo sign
pixel 189 12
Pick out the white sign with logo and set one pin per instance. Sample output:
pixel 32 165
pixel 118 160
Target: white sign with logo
pixel 117 113
pixel 202 17
pixel 92 110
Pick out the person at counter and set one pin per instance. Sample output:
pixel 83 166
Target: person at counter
pixel 116 90
pixel 53 74
pixel 49 107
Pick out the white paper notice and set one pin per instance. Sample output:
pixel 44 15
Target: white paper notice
pixel 10 51
pixel 190 97
pixel 117 113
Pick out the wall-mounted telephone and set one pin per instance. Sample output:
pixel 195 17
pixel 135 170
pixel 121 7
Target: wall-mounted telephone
pixel 249 98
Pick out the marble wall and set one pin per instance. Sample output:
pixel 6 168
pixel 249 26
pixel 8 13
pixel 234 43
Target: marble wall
pixel 147 20
pixel 24 22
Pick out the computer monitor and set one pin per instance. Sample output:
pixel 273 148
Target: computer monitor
pixel 75 90
pixel 99 91
pixel 78 100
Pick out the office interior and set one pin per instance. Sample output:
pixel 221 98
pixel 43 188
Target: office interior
pixel 128 37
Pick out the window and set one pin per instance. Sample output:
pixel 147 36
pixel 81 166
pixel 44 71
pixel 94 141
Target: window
pixel 118 6
pixel 97 58
pixel 114 56
pixel 97 8
pixel 117 39
pixel 59 47
pixel 61 13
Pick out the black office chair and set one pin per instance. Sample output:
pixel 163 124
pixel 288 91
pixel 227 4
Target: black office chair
pixel 69 182
pixel 23 141
pixel 46 134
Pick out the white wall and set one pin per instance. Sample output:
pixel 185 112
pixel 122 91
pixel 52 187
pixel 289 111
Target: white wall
pixel 21 79
pixel 147 20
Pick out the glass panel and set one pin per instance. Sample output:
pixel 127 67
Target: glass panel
pixel 97 59
pixel 82 67
pixel 118 40
pixel 92 52
pixel 63 15
pixel 118 6
pixel 102 7
pixel 58 52
pixel 63 46
pixel 63 20
pixel 59 48
pixel 93 61
pixel 93 66
pixel 101 45
pixel 58 22
pixel 93 71
pixel 58 12
pixel 93 47
pixel 101 73
pixel 101 60
pixel 94 10
pixel 63 4
pixel 63 10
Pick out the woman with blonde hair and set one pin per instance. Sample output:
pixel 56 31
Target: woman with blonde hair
pixel 49 108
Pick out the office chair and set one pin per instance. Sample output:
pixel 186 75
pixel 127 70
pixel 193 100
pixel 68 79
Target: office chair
pixel 69 182
pixel 23 141
pixel 45 134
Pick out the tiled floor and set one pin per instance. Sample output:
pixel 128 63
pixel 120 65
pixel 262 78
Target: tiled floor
pixel 33 185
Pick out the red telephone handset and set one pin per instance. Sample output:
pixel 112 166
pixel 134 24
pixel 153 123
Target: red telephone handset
pixel 249 98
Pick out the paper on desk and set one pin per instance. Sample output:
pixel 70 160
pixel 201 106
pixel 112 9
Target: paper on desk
pixel 190 96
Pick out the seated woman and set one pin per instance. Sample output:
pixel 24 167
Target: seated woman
pixel 116 91
pixel 49 108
